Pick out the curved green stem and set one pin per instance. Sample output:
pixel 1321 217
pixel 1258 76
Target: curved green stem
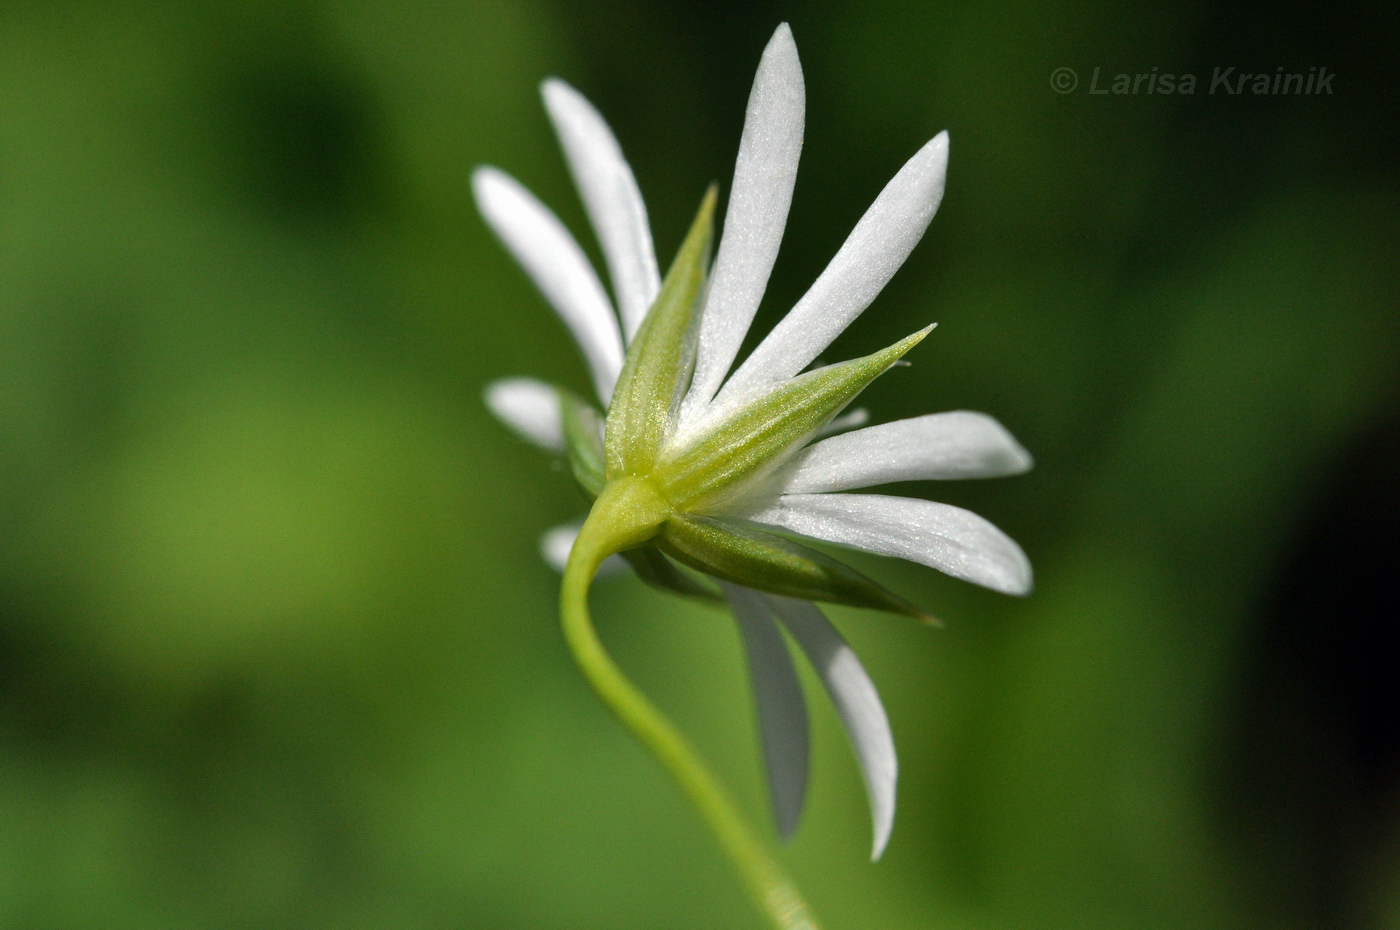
pixel 777 897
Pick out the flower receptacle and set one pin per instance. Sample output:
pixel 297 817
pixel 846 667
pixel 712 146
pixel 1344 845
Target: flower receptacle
pixel 628 513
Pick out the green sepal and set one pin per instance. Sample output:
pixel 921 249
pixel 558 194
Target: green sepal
pixel 745 555
pixel 658 361
pixel 660 572
pixel 583 438
pixel 758 433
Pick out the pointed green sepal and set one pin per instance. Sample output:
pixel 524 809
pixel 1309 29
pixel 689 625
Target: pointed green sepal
pixel 583 438
pixel 653 567
pixel 658 361
pixel 757 434
pixel 745 555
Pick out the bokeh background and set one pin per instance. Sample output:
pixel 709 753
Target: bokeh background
pixel 276 649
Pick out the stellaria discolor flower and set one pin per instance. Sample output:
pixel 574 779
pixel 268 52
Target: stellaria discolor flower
pixel 697 472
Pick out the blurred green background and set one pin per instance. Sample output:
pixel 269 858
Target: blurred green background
pixel 276 649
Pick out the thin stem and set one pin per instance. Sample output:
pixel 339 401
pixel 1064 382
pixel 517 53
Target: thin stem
pixel 775 894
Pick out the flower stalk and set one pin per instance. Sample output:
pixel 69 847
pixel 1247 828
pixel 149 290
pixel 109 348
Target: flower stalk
pixel 626 514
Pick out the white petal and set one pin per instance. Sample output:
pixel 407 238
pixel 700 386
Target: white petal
pixel 960 444
pixel 764 174
pixel 873 252
pixel 530 408
pixel 558 267
pixel 556 544
pixel 857 703
pixel 611 197
pixel 782 711
pixel 944 537
pixel 846 421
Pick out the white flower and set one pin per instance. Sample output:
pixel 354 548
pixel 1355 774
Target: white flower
pixel 797 488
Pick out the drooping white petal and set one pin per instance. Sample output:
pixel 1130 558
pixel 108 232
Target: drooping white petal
pixel 873 252
pixel 959 444
pixel 530 408
pixel 611 197
pixel 782 710
pixel 857 703
pixel 764 174
pixel 556 544
pixel 950 539
pixel 554 261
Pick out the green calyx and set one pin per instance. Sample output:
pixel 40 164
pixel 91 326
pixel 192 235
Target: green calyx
pixel 758 434
pixel 583 441
pixel 746 555
pixel 658 363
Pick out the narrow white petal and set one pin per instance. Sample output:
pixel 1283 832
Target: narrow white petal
pixel 611 197
pixel 857 703
pixel 554 261
pixel 764 174
pixel 960 444
pixel 530 408
pixel 556 544
pixel 873 252
pixel 846 421
pixel 944 537
pixel 782 711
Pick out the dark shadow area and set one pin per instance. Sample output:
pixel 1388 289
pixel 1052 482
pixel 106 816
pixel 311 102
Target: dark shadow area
pixel 1313 756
